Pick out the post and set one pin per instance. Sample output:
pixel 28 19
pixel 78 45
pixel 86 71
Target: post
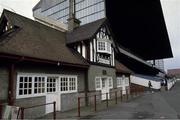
pixel 78 106
pixel 107 100
pixel 127 97
pixel 121 96
pixel 94 102
pixel 11 84
pixel 22 113
pixel 0 111
pixel 54 114
pixel 116 96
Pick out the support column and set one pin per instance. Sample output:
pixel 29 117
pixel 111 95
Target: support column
pixel 11 84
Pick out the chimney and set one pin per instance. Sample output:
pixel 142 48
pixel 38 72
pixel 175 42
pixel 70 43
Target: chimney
pixel 73 22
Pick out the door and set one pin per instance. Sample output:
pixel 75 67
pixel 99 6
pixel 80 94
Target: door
pixel 51 97
pixel 105 88
pixel 53 94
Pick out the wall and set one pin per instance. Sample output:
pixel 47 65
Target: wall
pixel 4 75
pixel 34 112
pixel 96 71
pixel 69 101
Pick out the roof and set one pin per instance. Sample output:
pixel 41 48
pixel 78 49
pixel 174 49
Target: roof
pixel 33 39
pixel 173 71
pixel 122 68
pixel 139 25
pixel 84 32
pixel 37 6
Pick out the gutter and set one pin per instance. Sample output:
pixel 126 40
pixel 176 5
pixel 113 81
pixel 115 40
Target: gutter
pixel 24 58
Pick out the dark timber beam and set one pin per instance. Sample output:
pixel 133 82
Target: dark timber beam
pixel 11 84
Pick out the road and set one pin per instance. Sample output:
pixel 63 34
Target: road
pixel 158 105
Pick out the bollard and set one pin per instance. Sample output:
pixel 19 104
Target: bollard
pixel 22 113
pixel 94 102
pixel 107 100
pixel 78 106
pixel 116 96
pixel 127 94
pixel 54 113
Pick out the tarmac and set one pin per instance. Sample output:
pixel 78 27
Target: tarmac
pixel 149 105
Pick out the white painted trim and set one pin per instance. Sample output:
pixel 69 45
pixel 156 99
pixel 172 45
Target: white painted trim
pixel 84 50
pixel 94 43
pixel 113 61
pixel 91 51
pixel 79 48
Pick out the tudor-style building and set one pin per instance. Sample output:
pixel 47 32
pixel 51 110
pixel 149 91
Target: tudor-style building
pixel 40 64
pixel 95 43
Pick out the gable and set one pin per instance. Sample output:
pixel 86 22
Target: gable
pixel 5 25
pixel 84 32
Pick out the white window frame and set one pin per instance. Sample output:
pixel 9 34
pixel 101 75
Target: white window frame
pixel 127 81
pixel 56 84
pixel 68 76
pixel 110 81
pixel 33 75
pixel 100 83
pixel 119 81
pixel 107 46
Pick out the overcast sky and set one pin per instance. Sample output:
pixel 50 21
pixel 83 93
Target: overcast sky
pixel 171 9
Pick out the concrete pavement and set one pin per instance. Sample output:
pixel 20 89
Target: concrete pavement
pixel 159 105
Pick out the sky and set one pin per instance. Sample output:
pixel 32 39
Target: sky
pixel 171 10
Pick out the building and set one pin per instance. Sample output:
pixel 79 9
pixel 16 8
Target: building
pixel 42 60
pixel 39 63
pixel 86 10
pixel 139 16
pixel 158 63
pixel 174 73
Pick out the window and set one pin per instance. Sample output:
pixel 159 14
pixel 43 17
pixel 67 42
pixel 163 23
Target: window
pixel 64 83
pixel 35 85
pixel 104 46
pixel 25 85
pixel 127 81
pixel 98 83
pixel 101 45
pixel 72 83
pixel 119 81
pixel 68 84
pixel 110 82
pixel 39 85
pixel 51 84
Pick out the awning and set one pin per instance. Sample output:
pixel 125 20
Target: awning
pixel 139 25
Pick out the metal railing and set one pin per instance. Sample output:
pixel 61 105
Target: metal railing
pixel 129 92
pixel 22 110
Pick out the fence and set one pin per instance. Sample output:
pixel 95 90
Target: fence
pixel 132 92
pixel 22 110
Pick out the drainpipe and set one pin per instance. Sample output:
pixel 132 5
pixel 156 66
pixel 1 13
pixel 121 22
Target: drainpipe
pixel 11 84
pixel 86 88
